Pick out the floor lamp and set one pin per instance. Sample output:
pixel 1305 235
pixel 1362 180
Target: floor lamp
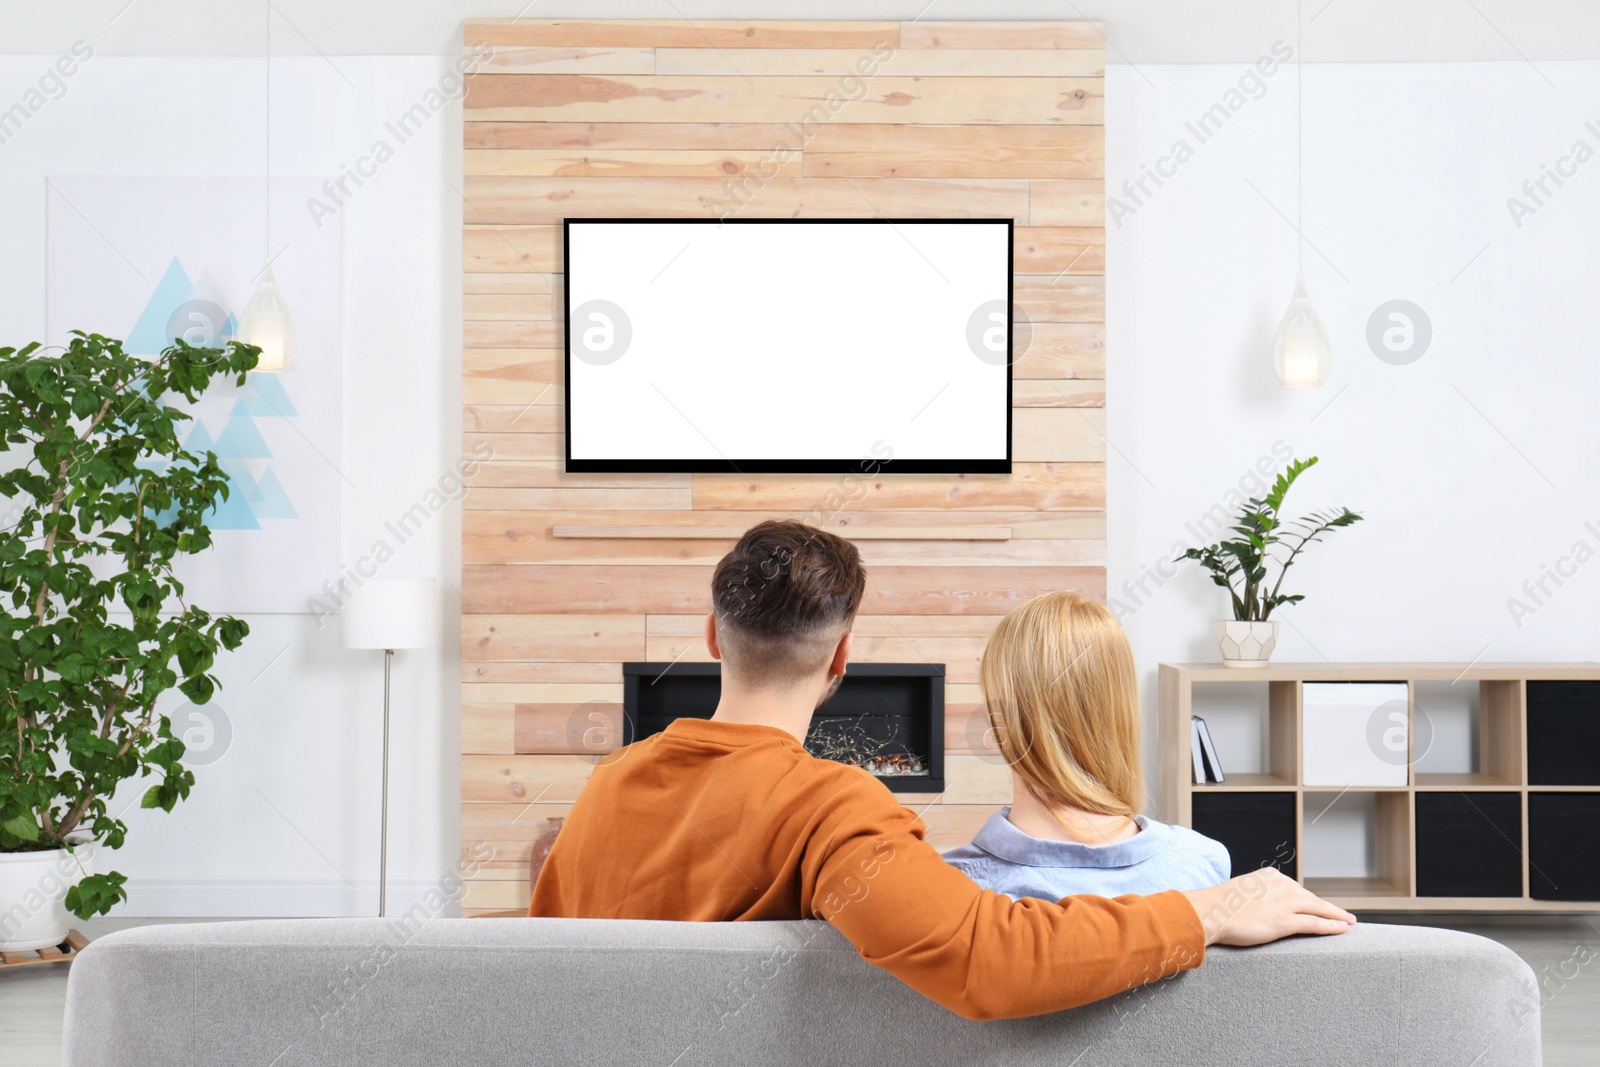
pixel 389 614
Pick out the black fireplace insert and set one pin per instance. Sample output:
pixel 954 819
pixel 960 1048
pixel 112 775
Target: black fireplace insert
pixel 887 718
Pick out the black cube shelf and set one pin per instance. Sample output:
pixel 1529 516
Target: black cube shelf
pixel 1256 828
pixel 1563 733
pixel 1564 846
pixel 1469 844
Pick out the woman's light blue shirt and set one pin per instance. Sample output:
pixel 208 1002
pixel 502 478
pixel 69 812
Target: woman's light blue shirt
pixel 1157 858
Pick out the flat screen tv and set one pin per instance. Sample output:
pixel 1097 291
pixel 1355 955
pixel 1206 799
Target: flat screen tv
pixel 788 345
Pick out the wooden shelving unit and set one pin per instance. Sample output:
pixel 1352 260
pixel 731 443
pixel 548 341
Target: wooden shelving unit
pixel 1502 769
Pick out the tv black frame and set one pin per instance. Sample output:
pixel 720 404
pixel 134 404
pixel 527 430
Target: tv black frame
pixel 868 466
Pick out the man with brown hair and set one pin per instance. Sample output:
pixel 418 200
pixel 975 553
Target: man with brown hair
pixel 731 818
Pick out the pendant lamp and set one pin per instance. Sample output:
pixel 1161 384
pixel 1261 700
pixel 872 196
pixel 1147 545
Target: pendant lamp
pixel 1301 354
pixel 266 322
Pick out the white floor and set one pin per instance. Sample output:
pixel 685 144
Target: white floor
pixel 1564 951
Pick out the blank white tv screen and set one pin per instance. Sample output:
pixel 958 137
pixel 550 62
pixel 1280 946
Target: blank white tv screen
pixel 788 346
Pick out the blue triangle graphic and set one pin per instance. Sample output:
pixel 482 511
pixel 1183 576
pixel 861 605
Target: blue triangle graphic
pixel 199 440
pixel 206 289
pixel 233 513
pixel 149 335
pixel 237 512
pixel 271 502
pixel 241 440
pixel 241 483
pixel 267 398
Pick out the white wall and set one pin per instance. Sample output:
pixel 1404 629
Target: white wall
pixel 286 822
pixel 1139 31
pixel 1476 466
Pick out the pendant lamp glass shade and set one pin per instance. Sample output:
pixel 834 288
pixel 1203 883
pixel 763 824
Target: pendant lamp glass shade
pixel 1301 354
pixel 266 323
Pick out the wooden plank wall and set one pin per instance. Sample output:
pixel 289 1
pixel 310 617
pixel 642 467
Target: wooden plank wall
pixel 566 576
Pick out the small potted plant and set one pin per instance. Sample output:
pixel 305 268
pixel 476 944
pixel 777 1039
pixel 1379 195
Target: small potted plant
pixel 1241 564
pixel 101 501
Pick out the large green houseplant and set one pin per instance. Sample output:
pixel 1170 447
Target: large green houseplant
pixel 100 501
pixel 1241 564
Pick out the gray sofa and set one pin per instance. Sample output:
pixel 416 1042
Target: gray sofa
pixel 292 993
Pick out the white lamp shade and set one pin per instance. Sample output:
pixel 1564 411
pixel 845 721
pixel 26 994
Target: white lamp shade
pixel 1301 354
pixel 392 613
pixel 267 324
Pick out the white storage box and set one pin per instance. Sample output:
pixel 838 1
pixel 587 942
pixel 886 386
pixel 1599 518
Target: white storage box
pixel 1355 734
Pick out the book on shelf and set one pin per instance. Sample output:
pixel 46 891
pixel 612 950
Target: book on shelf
pixel 1197 753
pixel 1207 767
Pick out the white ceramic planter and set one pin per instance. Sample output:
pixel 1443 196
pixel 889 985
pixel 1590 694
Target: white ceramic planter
pixel 1245 644
pixel 33 891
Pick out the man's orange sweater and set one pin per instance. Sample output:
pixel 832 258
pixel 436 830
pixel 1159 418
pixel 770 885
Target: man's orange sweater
pixel 710 821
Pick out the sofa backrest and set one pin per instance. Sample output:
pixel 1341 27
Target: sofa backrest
pixel 397 993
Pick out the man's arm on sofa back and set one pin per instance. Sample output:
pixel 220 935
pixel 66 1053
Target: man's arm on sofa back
pixel 871 873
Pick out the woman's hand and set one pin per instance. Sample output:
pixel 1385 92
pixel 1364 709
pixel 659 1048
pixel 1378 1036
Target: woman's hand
pixel 1263 906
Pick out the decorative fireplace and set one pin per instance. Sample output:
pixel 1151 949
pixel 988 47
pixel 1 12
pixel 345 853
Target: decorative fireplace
pixel 887 718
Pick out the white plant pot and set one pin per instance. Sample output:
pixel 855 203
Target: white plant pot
pixel 33 892
pixel 1245 644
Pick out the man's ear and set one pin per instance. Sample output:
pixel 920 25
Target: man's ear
pixel 841 655
pixel 711 636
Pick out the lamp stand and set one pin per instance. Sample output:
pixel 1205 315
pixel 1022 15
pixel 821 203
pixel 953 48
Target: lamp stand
pixel 383 845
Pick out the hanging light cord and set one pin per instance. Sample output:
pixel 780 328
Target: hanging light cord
pixel 266 237
pixel 1299 139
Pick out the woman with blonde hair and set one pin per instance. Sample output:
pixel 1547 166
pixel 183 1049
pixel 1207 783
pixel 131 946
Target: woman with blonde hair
pixel 1063 702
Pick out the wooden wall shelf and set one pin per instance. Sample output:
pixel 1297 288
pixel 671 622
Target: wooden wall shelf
pixel 733 533
pixel 1502 769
